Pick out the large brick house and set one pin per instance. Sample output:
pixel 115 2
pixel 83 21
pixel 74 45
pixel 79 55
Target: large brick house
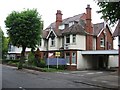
pixel 75 34
pixel 68 32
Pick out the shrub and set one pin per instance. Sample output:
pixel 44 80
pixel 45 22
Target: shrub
pixel 60 67
pixel 42 63
pixel 10 62
pixel 31 59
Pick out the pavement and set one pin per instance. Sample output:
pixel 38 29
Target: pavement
pixel 104 79
pixel 98 78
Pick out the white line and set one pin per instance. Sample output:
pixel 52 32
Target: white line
pixel 94 80
pixel 90 73
pixel 104 81
pixel 80 75
pixel 99 72
pixel 83 71
pixel 58 72
pixel 65 73
pixel 20 87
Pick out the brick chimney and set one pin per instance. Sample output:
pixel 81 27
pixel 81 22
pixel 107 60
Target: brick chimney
pixel 58 18
pixel 89 29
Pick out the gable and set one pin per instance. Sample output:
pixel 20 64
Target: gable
pixel 104 29
pixel 117 30
pixel 99 27
pixel 51 34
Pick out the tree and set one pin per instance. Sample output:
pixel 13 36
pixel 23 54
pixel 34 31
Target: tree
pixel 4 44
pixel 24 29
pixel 110 11
pixel 1 35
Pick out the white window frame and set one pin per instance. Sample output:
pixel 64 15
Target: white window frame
pixel 102 42
pixel 73 62
pixel 68 37
pixel 67 58
pixel 74 38
pixel 71 23
pixel 61 27
pixel 52 42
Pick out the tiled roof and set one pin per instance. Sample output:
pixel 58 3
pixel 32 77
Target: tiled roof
pixel 97 28
pixel 74 29
pixel 117 30
pixel 77 28
pixel 67 20
pixel 44 33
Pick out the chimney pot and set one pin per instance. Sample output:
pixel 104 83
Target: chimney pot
pixel 58 12
pixel 58 18
pixel 88 6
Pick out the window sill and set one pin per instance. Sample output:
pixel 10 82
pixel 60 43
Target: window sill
pixel 68 64
pixel 102 46
pixel 74 64
pixel 73 43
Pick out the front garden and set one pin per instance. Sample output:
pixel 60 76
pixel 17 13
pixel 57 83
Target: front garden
pixel 35 64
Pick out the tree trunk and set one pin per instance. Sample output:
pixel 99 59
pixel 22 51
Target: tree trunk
pixel 20 66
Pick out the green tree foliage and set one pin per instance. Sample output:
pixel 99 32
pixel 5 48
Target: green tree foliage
pixel 1 35
pixel 24 29
pixel 31 59
pixel 3 44
pixel 110 10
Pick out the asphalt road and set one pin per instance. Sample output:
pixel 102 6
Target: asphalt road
pixel 13 78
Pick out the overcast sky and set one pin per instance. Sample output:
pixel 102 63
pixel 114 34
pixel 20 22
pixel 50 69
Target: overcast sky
pixel 47 9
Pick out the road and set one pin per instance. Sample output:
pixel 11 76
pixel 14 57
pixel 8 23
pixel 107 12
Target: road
pixel 13 78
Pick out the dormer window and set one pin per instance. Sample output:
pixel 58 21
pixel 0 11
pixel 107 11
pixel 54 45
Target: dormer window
pixel 61 27
pixel 71 23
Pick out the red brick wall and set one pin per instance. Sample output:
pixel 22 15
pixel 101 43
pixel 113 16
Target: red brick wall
pixel 107 40
pixel 89 29
pixel 58 18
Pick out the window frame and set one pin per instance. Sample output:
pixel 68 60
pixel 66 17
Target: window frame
pixel 73 58
pixel 67 57
pixel 102 42
pixel 52 42
pixel 68 39
pixel 74 38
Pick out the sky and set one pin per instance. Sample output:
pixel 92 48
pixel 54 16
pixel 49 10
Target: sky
pixel 48 8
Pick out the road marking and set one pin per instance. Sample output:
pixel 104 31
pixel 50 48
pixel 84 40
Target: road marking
pixel 20 87
pixel 99 72
pixel 94 80
pixel 104 81
pixel 83 71
pixel 65 73
pixel 58 72
pixel 80 75
pixel 90 73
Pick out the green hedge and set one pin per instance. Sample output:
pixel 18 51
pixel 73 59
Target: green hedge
pixel 12 61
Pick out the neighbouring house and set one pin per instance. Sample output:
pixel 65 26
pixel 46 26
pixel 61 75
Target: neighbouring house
pixel 83 44
pixel 15 52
